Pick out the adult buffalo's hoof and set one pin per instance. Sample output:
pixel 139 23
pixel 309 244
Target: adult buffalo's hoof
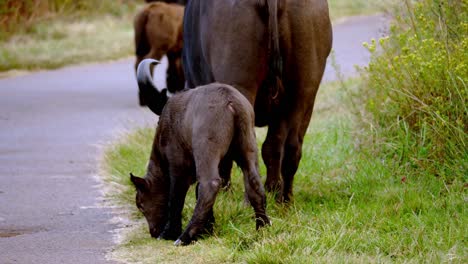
pixel 287 197
pixel 273 186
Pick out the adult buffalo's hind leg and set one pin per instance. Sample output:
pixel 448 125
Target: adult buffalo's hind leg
pixel 309 42
pixel 272 154
pixel 292 154
pixel 298 116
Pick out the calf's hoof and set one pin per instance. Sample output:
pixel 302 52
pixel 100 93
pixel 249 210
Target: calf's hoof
pixel 184 240
pixel 169 234
pixel 155 233
pixel 262 221
pixel 178 242
pixel 208 228
pixel 226 185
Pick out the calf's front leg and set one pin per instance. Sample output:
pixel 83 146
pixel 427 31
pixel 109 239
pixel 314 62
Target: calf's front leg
pixel 180 183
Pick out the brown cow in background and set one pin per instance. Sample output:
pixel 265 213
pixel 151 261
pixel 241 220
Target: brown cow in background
pixel 158 32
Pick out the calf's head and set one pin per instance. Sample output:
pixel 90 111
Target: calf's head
pixel 152 201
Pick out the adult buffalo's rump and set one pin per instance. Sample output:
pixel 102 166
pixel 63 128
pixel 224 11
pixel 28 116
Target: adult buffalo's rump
pixel 250 43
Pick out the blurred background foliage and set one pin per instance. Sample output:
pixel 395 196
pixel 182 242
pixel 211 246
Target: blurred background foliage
pixel 21 16
pixel 48 34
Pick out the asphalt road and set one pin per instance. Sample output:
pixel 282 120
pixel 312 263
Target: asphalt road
pixel 52 127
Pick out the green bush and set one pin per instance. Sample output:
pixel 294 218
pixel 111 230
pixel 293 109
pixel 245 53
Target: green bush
pixel 417 88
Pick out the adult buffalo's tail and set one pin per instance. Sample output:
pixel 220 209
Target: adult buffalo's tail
pixel 275 72
pixel 271 90
pixel 154 99
pixel 276 61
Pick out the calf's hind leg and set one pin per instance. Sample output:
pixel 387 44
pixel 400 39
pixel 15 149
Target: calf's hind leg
pixel 248 161
pixel 225 168
pixel 209 183
pixel 210 222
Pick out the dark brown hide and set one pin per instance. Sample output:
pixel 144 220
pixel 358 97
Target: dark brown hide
pixel 158 31
pixel 235 41
pixel 197 129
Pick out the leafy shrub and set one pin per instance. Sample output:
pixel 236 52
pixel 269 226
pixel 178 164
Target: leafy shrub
pixel 417 88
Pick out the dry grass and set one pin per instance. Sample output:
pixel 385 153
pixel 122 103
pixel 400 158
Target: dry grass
pixel 61 44
pixel 64 32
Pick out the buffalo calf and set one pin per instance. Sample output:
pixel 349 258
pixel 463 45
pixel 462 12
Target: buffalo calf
pixel 197 130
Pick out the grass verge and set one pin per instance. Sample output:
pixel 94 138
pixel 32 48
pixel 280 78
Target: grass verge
pixel 350 205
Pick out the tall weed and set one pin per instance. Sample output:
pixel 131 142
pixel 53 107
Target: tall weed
pixel 417 88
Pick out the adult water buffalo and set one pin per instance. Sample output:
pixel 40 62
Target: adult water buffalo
pixel 158 32
pixel 274 52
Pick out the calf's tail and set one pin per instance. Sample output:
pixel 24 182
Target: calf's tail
pixel 154 99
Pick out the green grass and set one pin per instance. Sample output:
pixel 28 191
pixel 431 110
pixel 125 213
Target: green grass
pixel 350 205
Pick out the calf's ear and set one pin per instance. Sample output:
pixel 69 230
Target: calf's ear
pixel 140 183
